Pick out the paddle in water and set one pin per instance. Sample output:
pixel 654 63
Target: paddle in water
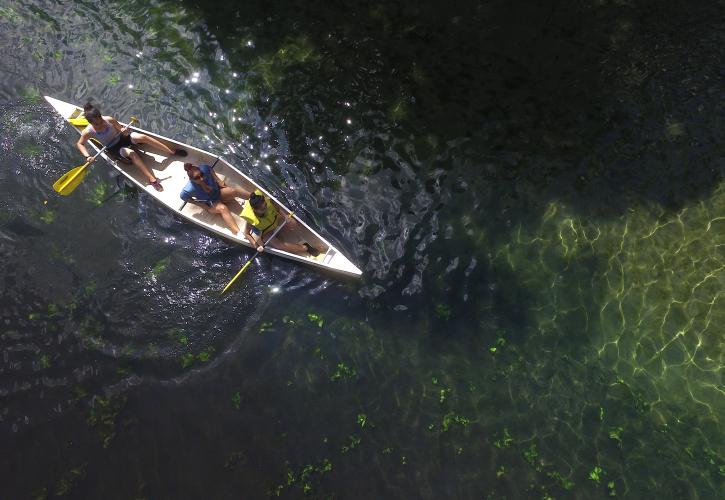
pixel 70 180
pixel 246 265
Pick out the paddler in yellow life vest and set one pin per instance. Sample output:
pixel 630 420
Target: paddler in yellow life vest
pixel 262 218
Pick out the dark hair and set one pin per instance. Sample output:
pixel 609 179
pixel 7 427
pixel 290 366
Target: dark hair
pixel 256 200
pixel 189 168
pixel 91 112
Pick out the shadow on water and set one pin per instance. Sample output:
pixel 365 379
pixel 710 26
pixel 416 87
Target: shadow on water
pixel 554 96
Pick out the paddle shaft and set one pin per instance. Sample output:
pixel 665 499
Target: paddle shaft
pixel 264 244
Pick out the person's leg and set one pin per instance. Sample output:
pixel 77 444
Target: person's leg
pixel 138 138
pixel 221 209
pixel 297 248
pixel 228 193
pixel 279 242
pixel 136 159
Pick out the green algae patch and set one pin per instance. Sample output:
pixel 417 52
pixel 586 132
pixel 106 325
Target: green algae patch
pixel 10 15
pixel 98 193
pixel 160 266
pixel 29 149
pixel 505 441
pixel 343 373
pixel 303 479
pixel 316 319
pixel 443 311
pixel 452 419
pixel 596 474
pixel 362 420
pixel 273 69
pixel 187 360
pixel 205 355
pixel 69 480
pixel 44 361
pixel 674 130
pixel 31 95
pixel 89 289
pixel 113 79
pixel 398 111
pixel 103 417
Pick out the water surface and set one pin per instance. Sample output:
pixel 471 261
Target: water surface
pixel 534 194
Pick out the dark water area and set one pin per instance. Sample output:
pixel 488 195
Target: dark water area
pixel 532 190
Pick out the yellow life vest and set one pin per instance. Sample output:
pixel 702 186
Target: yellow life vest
pixel 264 223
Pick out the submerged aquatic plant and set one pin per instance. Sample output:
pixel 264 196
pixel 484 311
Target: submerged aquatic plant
pixel 205 355
pixel 266 327
pixel 612 489
pixel 113 79
pixel 596 474
pixel 353 443
pixel 616 434
pixel 103 415
pixel 32 95
pixel 305 478
pixel 451 418
pixel 443 311
pixel 500 342
pixel 316 318
pixel 44 361
pixel 564 482
pixel 179 336
pixel 52 310
pixel 161 266
pixel 362 420
pixel 531 455
pixel 187 360
pixel 9 14
pixel 443 393
pixel 506 441
pixel 343 372
pixel 47 216
pixel 274 68
pixel 98 193
pixel 69 480
pixel 29 148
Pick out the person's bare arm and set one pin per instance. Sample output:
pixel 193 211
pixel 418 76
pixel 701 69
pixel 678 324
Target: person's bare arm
pixel 117 126
pixel 81 145
pixel 220 182
pixel 253 239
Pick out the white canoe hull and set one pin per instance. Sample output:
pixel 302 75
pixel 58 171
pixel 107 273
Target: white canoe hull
pixel 170 171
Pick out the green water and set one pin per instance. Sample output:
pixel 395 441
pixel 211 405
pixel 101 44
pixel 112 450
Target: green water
pixel 534 194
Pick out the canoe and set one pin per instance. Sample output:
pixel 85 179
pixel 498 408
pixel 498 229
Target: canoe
pixel 170 171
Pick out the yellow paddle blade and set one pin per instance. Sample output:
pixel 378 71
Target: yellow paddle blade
pixel 70 180
pixel 238 274
pixel 78 122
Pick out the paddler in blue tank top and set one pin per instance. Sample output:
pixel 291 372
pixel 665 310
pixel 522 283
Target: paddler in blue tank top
pixel 106 129
pixel 206 190
pixel 262 218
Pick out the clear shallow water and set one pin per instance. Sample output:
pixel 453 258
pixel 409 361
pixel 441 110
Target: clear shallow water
pixel 534 196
